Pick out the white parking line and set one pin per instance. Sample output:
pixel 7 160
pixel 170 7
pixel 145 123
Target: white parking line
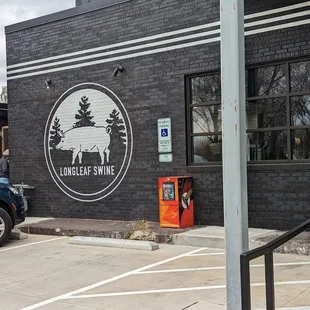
pixel 206 254
pixel 29 244
pixel 101 283
pixel 170 290
pixel 293 308
pixel 180 270
pixel 218 268
pixel 181 289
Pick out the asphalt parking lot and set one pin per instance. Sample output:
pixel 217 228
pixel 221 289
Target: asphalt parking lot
pixel 45 272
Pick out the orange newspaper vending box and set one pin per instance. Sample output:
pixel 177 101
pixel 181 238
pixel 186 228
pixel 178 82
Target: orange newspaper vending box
pixel 176 203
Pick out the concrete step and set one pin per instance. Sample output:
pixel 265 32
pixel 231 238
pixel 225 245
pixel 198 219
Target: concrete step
pixel 214 237
pixel 199 240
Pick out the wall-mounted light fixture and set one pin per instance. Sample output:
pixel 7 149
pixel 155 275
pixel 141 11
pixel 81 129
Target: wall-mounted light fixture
pixel 47 83
pixel 117 69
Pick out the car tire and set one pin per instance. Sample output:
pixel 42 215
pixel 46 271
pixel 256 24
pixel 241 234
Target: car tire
pixel 5 226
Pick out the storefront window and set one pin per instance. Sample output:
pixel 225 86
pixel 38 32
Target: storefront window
pixel 205 119
pixel 277 114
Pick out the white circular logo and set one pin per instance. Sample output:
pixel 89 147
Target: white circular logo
pixel 88 142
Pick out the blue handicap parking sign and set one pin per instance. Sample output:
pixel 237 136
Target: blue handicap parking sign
pixel 164 132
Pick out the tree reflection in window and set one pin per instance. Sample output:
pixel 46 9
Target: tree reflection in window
pixel 207 119
pixel 266 113
pixel 300 111
pixel 273 145
pixel 300 76
pixel 206 89
pixel 266 81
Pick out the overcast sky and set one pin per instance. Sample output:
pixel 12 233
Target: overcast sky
pixel 14 11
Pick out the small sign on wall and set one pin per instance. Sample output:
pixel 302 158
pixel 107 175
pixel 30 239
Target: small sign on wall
pixel 164 135
pixel 165 158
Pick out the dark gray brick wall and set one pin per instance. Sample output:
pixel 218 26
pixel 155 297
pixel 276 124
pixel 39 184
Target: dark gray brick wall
pixel 151 87
pixel 81 2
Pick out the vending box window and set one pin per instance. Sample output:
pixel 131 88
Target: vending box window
pixel 176 202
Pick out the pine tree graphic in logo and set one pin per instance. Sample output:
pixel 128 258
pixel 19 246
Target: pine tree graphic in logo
pixel 56 134
pixel 118 133
pixel 84 118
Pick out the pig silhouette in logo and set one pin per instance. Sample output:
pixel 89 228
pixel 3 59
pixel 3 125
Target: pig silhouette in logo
pixel 89 139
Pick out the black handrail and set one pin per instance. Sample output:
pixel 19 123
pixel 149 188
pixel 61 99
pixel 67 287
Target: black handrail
pixel 267 251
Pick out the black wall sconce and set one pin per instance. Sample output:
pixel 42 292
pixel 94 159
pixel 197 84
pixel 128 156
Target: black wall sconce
pixel 117 69
pixel 47 83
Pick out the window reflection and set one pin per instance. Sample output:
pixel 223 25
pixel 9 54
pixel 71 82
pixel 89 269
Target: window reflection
pixel 207 148
pixel 206 89
pixel 270 145
pixel 300 144
pixel 207 119
pixel 266 113
pixel 266 81
pixel 300 76
pixel 300 111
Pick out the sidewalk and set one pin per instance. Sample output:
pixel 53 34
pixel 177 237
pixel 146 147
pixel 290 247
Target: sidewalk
pixel 136 230
pixel 202 236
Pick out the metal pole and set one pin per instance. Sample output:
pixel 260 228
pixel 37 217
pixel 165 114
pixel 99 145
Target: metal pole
pixel 234 144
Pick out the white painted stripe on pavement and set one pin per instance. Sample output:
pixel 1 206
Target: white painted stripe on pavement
pixel 219 268
pixel 101 283
pixel 170 290
pixel 292 308
pixel 206 254
pixel 30 244
pixel 284 283
pixel 181 270
pixel 181 289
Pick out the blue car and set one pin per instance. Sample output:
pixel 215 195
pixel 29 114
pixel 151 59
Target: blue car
pixel 12 210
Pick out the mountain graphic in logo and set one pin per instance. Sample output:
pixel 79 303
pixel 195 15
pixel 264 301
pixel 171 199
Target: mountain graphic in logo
pixel 88 142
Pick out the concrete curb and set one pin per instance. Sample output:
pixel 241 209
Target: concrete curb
pixel 16 234
pixel 28 229
pixel 115 243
